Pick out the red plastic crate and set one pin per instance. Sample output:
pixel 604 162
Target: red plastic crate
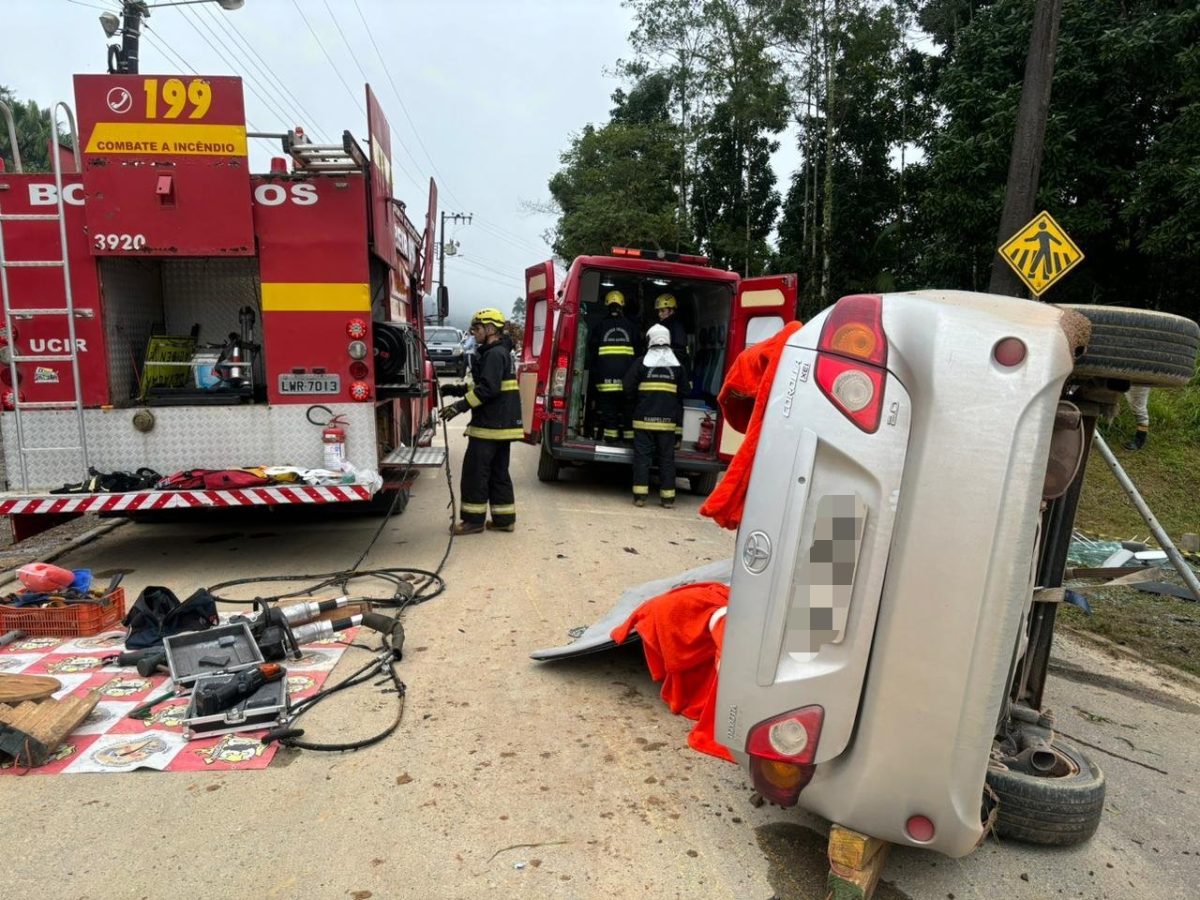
pixel 75 620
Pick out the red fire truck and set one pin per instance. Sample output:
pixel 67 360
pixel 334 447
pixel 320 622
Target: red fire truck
pixel 722 314
pixel 167 309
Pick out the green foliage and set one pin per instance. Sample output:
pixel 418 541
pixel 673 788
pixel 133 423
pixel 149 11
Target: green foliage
pixel 1119 170
pixel 33 133
pixel 616 188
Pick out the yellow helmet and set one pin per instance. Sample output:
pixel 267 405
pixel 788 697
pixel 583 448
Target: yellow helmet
pixel 665 301
pixel 488 317
pixel 614 297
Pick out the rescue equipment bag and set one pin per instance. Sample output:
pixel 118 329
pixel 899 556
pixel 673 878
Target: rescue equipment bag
pixel 158 614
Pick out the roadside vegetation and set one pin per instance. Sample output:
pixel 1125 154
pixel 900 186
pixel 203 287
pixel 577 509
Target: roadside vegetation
pixel 1167 474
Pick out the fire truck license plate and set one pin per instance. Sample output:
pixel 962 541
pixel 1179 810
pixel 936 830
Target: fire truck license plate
pixel 310 384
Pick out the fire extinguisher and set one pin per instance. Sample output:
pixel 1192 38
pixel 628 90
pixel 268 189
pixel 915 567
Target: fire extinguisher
pixel 708 429
pixel 334 440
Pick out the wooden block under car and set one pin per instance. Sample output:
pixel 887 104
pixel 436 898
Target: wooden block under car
pixel 19 688
pixel 856 862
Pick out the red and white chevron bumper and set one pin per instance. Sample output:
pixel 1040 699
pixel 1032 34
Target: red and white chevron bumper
pixel 134 501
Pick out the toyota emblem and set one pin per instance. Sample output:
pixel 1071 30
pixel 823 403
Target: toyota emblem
pixel 757 552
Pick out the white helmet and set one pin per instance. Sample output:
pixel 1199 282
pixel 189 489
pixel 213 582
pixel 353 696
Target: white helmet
pixel 658 336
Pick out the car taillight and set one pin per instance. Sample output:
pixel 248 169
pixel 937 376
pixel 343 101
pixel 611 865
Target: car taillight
pixel 781 753
pixel 558 383
pixel 852 359
pixel 356 329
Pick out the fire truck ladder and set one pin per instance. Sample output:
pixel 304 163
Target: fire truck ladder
pixel 63 264
pixel 340 158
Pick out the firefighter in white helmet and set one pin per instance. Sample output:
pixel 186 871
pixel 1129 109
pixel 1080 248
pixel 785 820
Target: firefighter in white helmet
pixel 656 385
pixel 495 406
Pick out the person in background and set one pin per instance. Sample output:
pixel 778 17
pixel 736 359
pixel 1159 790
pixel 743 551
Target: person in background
pixel 611 352
pixel 495 405
pixel 655 386
pixel 1138 396
pixel 667 308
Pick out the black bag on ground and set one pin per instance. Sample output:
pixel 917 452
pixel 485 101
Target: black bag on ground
pixel 158 614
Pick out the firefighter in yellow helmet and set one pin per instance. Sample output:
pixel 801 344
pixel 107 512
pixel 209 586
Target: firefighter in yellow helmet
pixel 667 308
pixel 495 408
pixel 611 350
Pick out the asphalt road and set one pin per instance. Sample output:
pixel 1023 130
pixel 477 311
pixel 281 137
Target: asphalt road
pixel 510 778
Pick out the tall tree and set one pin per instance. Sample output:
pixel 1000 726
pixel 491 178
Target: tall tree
pixel 33 133
pixel 617 185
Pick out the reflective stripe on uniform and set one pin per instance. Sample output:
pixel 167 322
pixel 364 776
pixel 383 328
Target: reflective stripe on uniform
pixel 611 433
pixel 510 384
pixel 649 426
pixel 495 434
pixel 665 387
pixel 640 489
pixel 606 388
pixel 476 508
pixel 504 509
pixel 617 350
pixel 667 493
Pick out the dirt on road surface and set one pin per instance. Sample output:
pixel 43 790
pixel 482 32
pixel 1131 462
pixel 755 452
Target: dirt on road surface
pixel 510 778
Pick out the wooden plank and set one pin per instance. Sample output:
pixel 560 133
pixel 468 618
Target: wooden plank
pixel 856 862
pixel 19 688
pixel 31 732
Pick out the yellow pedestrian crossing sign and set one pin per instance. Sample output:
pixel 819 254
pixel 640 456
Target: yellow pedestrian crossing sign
pixel 1041 253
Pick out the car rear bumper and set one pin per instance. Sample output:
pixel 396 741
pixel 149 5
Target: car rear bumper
pixel 943 572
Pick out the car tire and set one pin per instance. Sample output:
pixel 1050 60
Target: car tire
pixel 548 466
pixel 703 483
pixel 1141 346
pixel 1053 810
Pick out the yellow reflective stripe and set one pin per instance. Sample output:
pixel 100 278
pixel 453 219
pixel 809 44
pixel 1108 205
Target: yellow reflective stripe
pixel 609 388
pixel 495 434
pixel 667 494
pixel 640 489
pixel 658 386
pixel 310 296
pixel 653 426
pixel 506 509
pixel 472 400
pixel 477 508
pixel 510 384
pixel 617 350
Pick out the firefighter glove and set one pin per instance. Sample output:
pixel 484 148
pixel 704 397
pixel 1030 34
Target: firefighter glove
pixel 449 411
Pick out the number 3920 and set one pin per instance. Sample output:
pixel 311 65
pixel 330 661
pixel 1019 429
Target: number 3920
pixel 119 241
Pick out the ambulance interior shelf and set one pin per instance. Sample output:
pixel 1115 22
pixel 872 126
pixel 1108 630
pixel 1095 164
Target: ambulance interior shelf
pixel 704 307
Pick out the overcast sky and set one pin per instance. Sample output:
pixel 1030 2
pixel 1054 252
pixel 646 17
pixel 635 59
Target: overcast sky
pixel 489 94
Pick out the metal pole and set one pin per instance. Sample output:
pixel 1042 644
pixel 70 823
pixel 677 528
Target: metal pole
pixel 1164 541
pixel 1025 164
pixel 131 32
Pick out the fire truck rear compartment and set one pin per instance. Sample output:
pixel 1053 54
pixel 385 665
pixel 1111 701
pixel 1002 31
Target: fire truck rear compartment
pixel 171 297
pixel 704 307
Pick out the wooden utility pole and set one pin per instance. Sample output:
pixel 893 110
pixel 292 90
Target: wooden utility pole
pixel 1024 168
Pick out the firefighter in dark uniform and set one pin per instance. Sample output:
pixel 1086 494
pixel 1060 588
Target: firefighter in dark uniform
pixel 667 308
pixel 656 385
pixel 495 405
pixel 611 351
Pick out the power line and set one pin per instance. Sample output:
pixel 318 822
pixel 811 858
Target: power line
pixel 177 59
pixel 486 268
pixel 271 80
pixel 329 59
pixel 515 282
pixel 195 21
pixel 404 109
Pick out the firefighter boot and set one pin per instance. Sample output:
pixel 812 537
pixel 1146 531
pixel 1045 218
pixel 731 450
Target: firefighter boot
pixel 639 500
pixel 1139 440
pixel 465 528
pixel 492 526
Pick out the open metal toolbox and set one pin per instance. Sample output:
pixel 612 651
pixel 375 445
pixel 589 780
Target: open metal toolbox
pixel 196 658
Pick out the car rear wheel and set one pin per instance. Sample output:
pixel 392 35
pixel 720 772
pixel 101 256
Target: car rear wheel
pixel 1060 808
pixel 704 483
pixel 1141 346
pixel 548 466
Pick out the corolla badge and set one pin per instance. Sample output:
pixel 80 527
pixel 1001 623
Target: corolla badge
pixel 757 552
